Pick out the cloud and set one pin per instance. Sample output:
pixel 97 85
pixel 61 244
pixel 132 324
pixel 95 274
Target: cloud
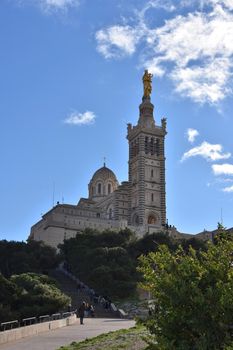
pixel 208 151
pixel 117 41
pixel 228 189
pixel 222 169
pixel 76 118
pixel 192 134
pixel 194 50
pixel 48 6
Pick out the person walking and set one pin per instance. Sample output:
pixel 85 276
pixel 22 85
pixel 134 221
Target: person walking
pixel 81 311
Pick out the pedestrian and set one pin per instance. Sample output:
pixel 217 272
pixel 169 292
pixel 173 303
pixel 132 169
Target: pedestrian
pixel 92 311
pixel 81 311
pixel 87 311
pixel 69 307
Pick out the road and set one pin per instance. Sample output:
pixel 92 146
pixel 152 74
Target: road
pixel 54 339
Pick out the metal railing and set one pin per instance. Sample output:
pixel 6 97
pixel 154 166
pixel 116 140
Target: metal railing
pixel 44 318
pixel 4 326
pixel 9 325
pixel 28 321
pixel 91 293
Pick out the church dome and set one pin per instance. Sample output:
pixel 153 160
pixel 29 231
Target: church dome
pixel 103 183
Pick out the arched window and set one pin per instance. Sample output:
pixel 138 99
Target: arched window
pixel 152 146
pixel 152 173
pixel 99 188
pixel 110 213
pixel 109 188
pixel 136 220
pixel 157 147
pixel 146 145
pixel 151 220
pixel 152 197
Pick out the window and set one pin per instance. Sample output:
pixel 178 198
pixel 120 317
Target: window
pixel 152 146
pixel 146 145
pixel 135 220
pixel 157 147
pixel 110 213
pixel 109 188
pixel 152 173
pixel 99 188
pixel 98 215
pixel 152 197
pixel 151 220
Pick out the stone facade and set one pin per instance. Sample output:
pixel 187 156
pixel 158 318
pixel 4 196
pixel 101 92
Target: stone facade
pixel 139 203
pixel 147 169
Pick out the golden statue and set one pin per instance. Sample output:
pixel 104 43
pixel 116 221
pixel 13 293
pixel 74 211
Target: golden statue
pixel 147 83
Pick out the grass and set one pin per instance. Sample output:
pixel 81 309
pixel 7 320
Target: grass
pixel 124 339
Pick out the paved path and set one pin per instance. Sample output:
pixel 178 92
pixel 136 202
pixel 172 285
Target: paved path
pixel 54 339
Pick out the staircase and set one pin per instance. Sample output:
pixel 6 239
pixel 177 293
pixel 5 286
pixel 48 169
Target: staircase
pixel 70 288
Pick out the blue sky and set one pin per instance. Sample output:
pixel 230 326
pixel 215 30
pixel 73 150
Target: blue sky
pixel 70 80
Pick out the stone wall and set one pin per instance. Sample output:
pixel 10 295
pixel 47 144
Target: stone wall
pixel 22 332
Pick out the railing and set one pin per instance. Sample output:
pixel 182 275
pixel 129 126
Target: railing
pixel 56 316
pixel 100 300
pixel 28 321
pixel 44 318
pixel 9 325
pixel 4 326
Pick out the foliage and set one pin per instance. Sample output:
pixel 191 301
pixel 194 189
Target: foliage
pixel 193 296
pixel 28 295
pixel 102 261
pixel 20 257
pixel 128 339
pixel 107 261
pixel 39 295
pixel 8 298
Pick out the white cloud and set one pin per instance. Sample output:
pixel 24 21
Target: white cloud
pixel 48 6
pixel 208 151
pixel 222 169
pixel 192 134
pixel 227 3
pixel 199 48
pixel 228 189
pixel 117 41
pixel 164 4
pixel 76 118
pixel 194 50
pixel 204 84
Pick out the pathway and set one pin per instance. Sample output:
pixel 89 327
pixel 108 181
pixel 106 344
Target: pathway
pixel 54 339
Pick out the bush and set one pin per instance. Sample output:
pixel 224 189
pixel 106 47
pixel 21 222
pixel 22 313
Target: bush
pixel 28 295
pixel 39 295
pixel 193 297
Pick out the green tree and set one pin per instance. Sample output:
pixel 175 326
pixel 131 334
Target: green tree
pixel 39 295
pixel 193 297
pixel 9 294
pixel 21 257
pixel 102 261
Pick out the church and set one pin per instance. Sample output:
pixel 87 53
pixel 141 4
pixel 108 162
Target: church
pixel 138 203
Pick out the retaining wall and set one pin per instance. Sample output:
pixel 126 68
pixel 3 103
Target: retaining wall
pixel 22 332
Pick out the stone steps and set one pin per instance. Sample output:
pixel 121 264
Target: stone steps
pixel 69 287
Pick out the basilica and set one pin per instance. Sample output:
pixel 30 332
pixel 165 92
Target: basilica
pixel 138 203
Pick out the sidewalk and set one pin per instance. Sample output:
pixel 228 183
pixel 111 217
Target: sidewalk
pixel 54 339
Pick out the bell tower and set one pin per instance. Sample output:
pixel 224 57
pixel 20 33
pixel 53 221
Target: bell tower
pixel 147 199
